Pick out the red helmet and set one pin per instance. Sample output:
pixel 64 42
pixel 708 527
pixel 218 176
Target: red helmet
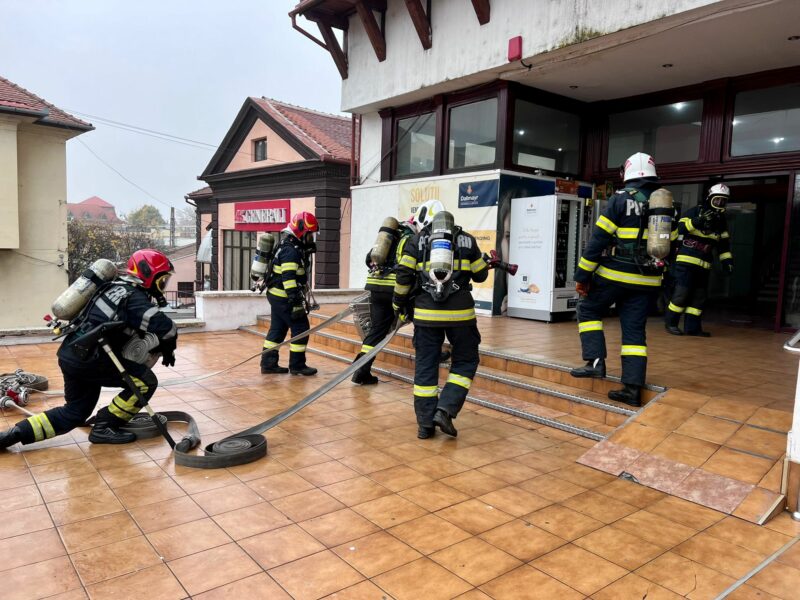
pixel 152 267
pixel 303 223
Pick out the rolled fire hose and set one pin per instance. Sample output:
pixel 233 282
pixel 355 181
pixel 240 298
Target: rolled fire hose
pixel 248 445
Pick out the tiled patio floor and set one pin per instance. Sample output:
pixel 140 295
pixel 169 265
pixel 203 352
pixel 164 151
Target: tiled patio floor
pixel 349 504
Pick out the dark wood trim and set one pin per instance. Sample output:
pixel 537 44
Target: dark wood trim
pixel 421 22
pixel 791 201
pixel 332 44
pixel 373 30
pixel 387 153
pixel 482 10
pixel 463 100
pixel 502 140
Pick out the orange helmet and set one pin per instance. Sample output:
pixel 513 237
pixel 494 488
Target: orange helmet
pixel 152 267
pixel 303 223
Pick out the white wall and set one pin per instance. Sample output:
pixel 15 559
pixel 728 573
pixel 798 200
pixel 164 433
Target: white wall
pixel 370 155
pixel 462 48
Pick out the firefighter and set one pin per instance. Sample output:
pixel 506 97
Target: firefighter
pixel 86 368
pixel 702 229
pixel 438 264
pixel 286 285
pixel 624 276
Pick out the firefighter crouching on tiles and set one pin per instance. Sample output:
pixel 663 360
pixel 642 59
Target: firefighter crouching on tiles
pixel 285 291
pixel 438 264
pixel 86 368
pixel 625 276
pixel 700 230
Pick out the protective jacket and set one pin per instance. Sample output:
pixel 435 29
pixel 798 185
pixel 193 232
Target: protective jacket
pixel 382 278
pixel 699 236
pixel 458 308
pixel 288 276
pixel 617 250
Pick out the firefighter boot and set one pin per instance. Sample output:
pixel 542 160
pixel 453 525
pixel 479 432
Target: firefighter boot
pixel 9 437
pixel 424 433
pixel 592 368
pixel 630 395
pixel 671 322
pixel 304 370
pixel 700 333
pixel 363 375
pixel 269 363
pixel 445 422
pixel 104 432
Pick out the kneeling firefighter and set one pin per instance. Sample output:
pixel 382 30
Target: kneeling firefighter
pixel 701 229
pixel 635 232
pixel 86 368
pixel 437 265
pixel 286 285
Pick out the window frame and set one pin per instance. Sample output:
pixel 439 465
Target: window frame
pixel 236 258
pixel 255 149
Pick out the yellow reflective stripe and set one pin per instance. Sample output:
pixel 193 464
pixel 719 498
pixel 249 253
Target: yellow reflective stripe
pixel 366 348
pixel 725 235
pixel 673 235
pixel 425 391
pixel 693 311
pixel 290 266
pixel 425 314
pixel 277 292
pixel 675 308
pixel 459 380
pixel 381 282
pixel 693 260
pixel 726 256
pixel 399 252
pixel 632 278
pixel 590 326
pixel 606 224
pixel 289 284
pixel 478 265
pixel 140 384
pixel 587 265
pixel 634 351
pixel 297 347
pixel 687 222
pixel 49 432
pixel 38 434
pixel 269 344
pixel 630 233
pixel 402 290
pixel 122 408
pixel 408 261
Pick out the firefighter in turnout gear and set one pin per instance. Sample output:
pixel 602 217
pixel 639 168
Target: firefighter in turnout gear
pixel 615 269
pixel 86 368
pixel 702 229
pixel 286 285
pixel 436 268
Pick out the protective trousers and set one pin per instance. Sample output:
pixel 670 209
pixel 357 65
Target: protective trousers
pixel 280 323
pixel 381 317
pixel 689 297
pixel 81 392
pixel 463 365
pixel 632 306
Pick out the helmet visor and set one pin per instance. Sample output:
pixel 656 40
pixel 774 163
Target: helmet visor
pixel 718 202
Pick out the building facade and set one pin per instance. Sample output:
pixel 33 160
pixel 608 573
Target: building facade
pixel 33 204
pixel 450 92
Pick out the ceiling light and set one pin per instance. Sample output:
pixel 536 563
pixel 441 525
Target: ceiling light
pixel 521 131
pixel 560 149
pixel 777 140
pixel 679 105
pixel 735 122
pixel 667 65
pixel 793 38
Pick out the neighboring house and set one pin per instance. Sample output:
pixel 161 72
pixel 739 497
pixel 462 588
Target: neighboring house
pixel 33 204
pixel 183 280
pixel 505 97
pixel 93 209
pixel 276 160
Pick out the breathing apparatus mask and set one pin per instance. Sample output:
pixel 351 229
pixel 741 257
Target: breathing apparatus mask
pixel 440 253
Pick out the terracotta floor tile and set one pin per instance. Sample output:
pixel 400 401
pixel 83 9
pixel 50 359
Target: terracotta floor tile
pixel 21 497
pixel 72 487
pixel 630 493
pixel 429 533
pixel 99 531
pixel 356 491
pixel 729 409
pixel 76 594
pixel 307 505
pixel 514 501
pixel 122 476
pixel 791 557
pixel 40 580
pixel 113 560
pixel 655 529
pixel 664 416
pixel 474 516
pixel 527 583
pixel 758 504
pixel 279 546
pixel 638 437
pixel 583 476
pixel 376 553
pixel 778 579
pixel 522 540
pixel 60 470
pixel 143 493
pixel 204 480
pixel 749 536
pixel 659 473
pixel 256 587
pixel 366 590
pixel 684 512
pixel 633 586
pixel 151 583
pixel 301 457
pixel 600 507
pixel 213 568
pixel 340 448
pixel 474 483
pixel 388 511
pixel 280 485
pixel 552 488
pixel 119 457
pixel 53 455
pixel 776 420
pixel 774 477
pixel 438 467
pixel 609 457
pixel 712 490
pixel 579 569
pixel 258 469
pixel 182 540
pixel 422 578
pixel 434 496
pixel 710 429
pixel 738 465
pixel 509 470
pixel 30 548
pixel 685 577
pixel 475 561
pixel 748 592
pixel 618 546
pixel 563 522
pixel 399 478
pixel 251 520
pixel 368 462
pixel 720 555
pixel 758 441
pixel 474 457
pixel 167 513
pixel 315 576
pixel 338 527
pixel 226 499
pixel 24 520
pixel 684 449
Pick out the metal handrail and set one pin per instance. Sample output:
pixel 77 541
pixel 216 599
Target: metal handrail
pixel 791 345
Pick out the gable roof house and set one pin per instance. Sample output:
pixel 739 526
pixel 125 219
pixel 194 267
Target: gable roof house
pixel 93 209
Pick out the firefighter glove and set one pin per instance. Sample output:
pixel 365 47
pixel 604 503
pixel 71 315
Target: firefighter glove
pixel 582 288
pixel 168 359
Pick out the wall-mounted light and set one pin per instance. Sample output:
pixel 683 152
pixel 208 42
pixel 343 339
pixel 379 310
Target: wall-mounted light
pixel 560 149
pixel 679 105
pixel 777 140
pixel 520 132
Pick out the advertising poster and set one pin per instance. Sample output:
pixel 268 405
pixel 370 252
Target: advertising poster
pixel 530 242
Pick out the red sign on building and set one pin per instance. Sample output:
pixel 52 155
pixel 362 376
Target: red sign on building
pixel 261 215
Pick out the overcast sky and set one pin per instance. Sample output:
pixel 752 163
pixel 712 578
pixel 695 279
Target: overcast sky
pixel 182 67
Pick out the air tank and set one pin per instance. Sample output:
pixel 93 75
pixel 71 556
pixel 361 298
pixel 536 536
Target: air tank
pixel 72 300
pixel 441 251
pixel 383 243
pixel 659 223
pixel 266 244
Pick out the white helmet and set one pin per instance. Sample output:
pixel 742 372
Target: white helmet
pixel 424 215
pixel 718 196
pixel 638 166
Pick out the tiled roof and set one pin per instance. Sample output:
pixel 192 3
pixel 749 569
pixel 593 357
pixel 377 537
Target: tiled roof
pixel 201 193
pixel 96 201
pixel 15 98
pixel 324 134
pixel 93 209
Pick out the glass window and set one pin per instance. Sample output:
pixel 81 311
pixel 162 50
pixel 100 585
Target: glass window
pixel 670 133
pixel 766 121
pixel 237 252
pixel 260 150
pixel 545 138
pixel 473 134
pixel 416 144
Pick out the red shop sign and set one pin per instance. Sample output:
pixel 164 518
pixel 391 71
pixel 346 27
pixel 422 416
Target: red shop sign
pixel 261 215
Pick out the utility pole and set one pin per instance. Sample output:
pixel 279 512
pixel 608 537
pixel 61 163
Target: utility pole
pixel 172 227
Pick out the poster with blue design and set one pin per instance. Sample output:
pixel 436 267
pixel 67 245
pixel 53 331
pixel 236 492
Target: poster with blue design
pixel 478 193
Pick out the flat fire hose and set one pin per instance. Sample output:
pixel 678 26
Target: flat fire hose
pixel 248 445
pixel 334 319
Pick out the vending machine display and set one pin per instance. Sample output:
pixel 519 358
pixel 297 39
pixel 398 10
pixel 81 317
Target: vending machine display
pixel 545 241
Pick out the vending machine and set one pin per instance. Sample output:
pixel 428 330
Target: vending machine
pixel 545 242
